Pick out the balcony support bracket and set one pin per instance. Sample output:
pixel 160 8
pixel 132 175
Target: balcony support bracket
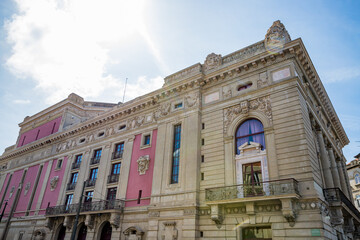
pixel 288 211
pixel 89 221
pixel 115 220
pixel 68 222
pixel 216 215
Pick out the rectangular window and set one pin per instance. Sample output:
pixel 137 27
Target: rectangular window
pixel 37 135
pixel 116 169
pixel 68 200
pixel 147 140
pixel 59 164
pixel 53 128
pixel 111 194
pixel 78 158
pixel 176 154
pixel 23 141
pixel 97 154
pixel 118 152
pixel 93 174
pixel 74 177
pixel 178 105
pixel 89 196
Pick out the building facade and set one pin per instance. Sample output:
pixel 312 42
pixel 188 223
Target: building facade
pixel 353 171
pixel 243 146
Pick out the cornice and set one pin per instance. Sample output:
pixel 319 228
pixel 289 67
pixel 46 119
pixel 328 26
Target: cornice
pixel 309 69
pixel 250 58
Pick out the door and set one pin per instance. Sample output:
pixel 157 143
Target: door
pixel 82 233
pixel 257 233
pixel 106 232
pixel 252 179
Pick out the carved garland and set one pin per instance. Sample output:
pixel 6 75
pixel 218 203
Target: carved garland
pixel 262 104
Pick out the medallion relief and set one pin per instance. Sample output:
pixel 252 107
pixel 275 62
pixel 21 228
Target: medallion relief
pixel 143 164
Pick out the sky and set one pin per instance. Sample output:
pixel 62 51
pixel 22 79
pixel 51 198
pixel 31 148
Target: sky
pixel 51 48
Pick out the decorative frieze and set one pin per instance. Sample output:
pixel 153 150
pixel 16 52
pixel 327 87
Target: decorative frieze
pixel 262 104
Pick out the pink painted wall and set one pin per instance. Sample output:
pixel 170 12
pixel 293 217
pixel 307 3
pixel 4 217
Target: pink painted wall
pixel 38 190
pixel 45 130
pixel 15 180
pixel 140 182
pixel 24 199
pixel 4 186
pixel 52 196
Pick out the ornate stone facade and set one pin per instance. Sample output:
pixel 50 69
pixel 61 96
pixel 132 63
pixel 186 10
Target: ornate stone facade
pixel 170 164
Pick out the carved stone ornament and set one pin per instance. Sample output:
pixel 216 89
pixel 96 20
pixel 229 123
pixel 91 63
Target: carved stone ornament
pixel 227 93
pixel 133 232
pixel 212 61
pixel 276 37
pixel 39 234
pixel 170 231
pixel 27 187
pixel 135 122
pixel 53 183
pixel 162 111
pixel 115 220
pixel 192 100
pixel 262 104
pixel 143 164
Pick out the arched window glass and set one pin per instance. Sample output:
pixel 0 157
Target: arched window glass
pixel 357 178
pixel 251 130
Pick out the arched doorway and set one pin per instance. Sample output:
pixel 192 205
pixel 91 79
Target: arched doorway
pixel 106 232
pixel 62 232
pixel 82 232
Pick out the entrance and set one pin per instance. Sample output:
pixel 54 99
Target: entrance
pixel 62 232
pixel 82 233
pixel 106 232
pixel 252 179
pixel 256 233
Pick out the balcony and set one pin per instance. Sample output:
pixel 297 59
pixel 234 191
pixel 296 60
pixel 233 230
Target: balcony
pixel 113 178
pixel 71 186
pixel 97 206
pixel 90 183
pixel 336 197
pixel 95 160
pixel 117 155
pixel 75 165
pixel 245 192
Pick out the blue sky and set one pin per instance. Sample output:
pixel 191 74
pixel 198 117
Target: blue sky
pixel 50 48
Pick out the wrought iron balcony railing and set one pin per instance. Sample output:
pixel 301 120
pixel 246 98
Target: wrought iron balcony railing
pixel 261 189
pixel 335 195
pixel 71 186
pixel 95 160
pixel 75 165
pixel 90 183
pixel 117 155
pixel 113 178
pixel 116 204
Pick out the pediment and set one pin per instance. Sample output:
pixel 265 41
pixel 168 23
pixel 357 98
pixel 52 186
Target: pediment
pixel 250 148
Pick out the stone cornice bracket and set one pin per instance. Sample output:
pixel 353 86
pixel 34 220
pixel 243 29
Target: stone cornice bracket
pixel 217 215
pixel 288 211
pixel 115 220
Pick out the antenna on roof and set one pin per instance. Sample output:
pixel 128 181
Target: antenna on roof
pixel 124 90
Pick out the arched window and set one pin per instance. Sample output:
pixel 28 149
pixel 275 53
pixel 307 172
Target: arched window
pixel 251 130
pixel 357 178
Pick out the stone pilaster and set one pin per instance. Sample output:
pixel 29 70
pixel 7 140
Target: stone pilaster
pixel 334 168
pixel 125 168
pixel 325 161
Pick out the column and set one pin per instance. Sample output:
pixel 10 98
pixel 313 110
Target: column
pixel 342 177
pixel 334 169
pixel 347 191
pixel 325 161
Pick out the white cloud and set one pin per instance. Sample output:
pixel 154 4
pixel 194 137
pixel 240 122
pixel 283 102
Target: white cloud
pixel 64 45
pixel 342 74
pixel 21 101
